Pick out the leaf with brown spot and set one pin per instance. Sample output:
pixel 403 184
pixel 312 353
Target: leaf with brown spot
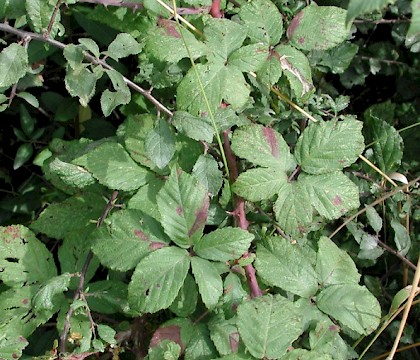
pixel 262 146
pixel 183 204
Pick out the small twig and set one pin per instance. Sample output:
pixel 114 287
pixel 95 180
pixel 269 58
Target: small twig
pixel 376 202
pixel 53 17
pixel 21 33
pixel 397 254
pixel 388 62
pixel 78 294
pixel 381 21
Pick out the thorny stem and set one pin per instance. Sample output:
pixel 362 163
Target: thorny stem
pixel 239 213
pixel 79 291
pixel 24 34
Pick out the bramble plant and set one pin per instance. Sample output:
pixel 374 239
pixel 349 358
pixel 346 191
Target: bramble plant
pixel 210 188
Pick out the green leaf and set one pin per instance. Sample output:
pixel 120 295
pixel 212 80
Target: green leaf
pixel 249 58
pixel 107 334
pixel 374 218
pixel 128 237
pixel 114 168
pixel 224 244
pixel 80 82
pixel 195 127
pixel 207 171
pixel 46 299
pixel 11 347
pixel 23 258
pixel 136 129
pixel 223 37
pixel 292 209
pixel 361 7
pixel 73 214
pixel 160 144
pixel 318 28
pixel 260 320
pixel 200 345
pixel 157 279
pixel 235 90
pixel 337 59
pixel 224 334
pixel 107 297
pixel 185 302
pixel 13 64
pixel 263 21
pixel 111 99
pixel 23 154
pixel 39 13
pixel 27 122
pixel 325 339
pixel 210 285
pixel 387 143
pixel 145 198
pixel 296 68
pixel 402 238
pixel 90 45
pixel 285 265
pixel 325 147
pixel 333 265
pixel 166 44
pixel 332 195
pixel 352 305
pixel 259 184
pixel 122 46
pixel 71 175
pixel 262 146
pixel 183 204
pixel 270 72
pixel 74 55
pixel 189 94
pixel 302 354
pixel 72 255
pixel 413 34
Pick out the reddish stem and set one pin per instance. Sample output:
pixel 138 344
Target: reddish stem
pixel 239 213
pixel 215 9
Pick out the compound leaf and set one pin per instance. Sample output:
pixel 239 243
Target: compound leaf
pixel 207 171
pixel 361 7
pixel 157 279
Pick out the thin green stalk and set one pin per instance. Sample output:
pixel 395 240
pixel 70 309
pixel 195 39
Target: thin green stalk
pixel 203 92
